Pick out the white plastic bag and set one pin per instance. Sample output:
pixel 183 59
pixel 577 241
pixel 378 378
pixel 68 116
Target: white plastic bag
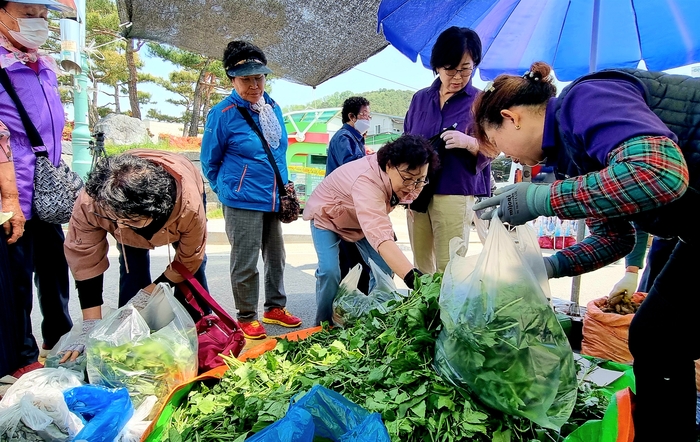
pixel 138 423
pixel 34 407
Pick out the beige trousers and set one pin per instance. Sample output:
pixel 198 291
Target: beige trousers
pixel 430 233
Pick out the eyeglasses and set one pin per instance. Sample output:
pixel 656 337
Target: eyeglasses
pixel 126 223
pixel 462 72
pixel 364 114
pixel 409 182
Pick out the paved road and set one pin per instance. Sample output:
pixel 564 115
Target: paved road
pixel 300 280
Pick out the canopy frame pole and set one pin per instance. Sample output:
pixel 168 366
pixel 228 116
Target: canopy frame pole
pixel 581 230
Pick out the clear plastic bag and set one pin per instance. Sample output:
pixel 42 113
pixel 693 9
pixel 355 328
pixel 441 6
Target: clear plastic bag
pixel 147 352
pixel 350 304
pixel 54 357
pixel 501 339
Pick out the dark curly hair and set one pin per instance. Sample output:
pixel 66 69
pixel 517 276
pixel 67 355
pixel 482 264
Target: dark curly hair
pixel 131 187
pixel 352 106
pixel 412 150
pixel 238 50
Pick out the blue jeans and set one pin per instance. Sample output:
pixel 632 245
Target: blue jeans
pixel 327 244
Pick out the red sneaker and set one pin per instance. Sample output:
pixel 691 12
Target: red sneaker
pixel 27 368
pixel 253 330
pixel 281 316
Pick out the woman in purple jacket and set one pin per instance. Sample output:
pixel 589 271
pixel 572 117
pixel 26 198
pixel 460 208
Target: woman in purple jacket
pixel 39 252
pixel 464 173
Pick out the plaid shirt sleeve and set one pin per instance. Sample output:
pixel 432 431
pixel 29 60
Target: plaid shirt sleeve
pixel 5 152
pixel 643 173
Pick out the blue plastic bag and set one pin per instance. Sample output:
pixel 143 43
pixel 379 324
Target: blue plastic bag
pixel 333 417
pixel 296 426
pixel 105 411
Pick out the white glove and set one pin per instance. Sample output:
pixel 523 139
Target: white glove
pixel 628 285
pixel 456 139
pixel 73 347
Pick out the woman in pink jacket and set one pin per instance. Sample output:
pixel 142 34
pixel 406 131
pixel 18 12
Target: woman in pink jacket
pixel 353 204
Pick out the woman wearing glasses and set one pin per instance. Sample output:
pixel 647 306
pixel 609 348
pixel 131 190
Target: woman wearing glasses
pixel 444 211
pixel 353 203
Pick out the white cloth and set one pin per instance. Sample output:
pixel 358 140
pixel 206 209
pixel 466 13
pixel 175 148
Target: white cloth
pixel 271 128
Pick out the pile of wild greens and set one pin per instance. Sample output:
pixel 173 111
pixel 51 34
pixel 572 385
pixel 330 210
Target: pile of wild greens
pixel 383 364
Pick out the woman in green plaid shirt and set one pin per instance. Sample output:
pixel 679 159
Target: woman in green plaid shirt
pixel 617 162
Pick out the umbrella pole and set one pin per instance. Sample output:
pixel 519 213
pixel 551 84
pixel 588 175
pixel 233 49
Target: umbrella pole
pixel 576 283
pixel 581 231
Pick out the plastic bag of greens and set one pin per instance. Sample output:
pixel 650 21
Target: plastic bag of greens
pixel 501 339
pixel 148 352
pixel 350 304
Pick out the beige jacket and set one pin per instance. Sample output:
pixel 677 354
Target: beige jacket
pixel 86 243
pixel 354 202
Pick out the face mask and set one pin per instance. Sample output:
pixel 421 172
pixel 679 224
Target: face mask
pixel 408 199
pixel 362 126
pixel 33 32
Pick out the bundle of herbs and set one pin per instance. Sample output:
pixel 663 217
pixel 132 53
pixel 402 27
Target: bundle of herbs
pixel 383 364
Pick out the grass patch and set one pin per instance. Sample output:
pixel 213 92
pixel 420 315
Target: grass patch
pixel 215 213
pixel 113 149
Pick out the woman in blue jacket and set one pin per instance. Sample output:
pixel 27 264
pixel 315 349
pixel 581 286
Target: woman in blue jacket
pixel 239 171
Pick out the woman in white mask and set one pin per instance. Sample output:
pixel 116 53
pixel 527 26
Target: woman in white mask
pixel 38 254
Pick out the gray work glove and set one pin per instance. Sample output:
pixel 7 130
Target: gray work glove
pixel 548 266
pixel 518 203
pixel 140 300
pixel 74 347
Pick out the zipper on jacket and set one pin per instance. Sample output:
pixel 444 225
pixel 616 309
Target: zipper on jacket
pixel 240 183
pixel 274 191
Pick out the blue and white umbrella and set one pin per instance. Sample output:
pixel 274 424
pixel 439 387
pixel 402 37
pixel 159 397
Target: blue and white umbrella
pixel 574 36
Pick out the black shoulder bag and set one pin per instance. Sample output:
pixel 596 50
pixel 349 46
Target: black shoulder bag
pixel 55 188
pixel 289 202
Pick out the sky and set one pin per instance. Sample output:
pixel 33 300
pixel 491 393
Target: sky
pixel 389 69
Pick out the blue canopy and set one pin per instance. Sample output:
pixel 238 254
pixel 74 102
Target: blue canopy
pixel 574 36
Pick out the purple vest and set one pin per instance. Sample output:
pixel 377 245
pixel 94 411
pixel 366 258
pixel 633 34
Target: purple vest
pixel 40 97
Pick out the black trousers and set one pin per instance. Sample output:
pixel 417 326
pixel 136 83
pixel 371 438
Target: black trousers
pixel 658 255
pixel 139 276
pixel 39 254
pixel 664 340
pixel 349 257
pixel 9 336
